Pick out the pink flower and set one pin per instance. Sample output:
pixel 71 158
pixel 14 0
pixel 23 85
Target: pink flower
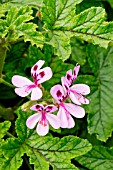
pixel 43 118
pixel 71 77
pixel 66 109
pixel 26 86
pixel 76 92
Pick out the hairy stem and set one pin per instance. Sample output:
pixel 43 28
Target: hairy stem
pixel 3 51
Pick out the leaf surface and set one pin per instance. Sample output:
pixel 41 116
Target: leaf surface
pixel 99 158
pixel 62 22
pixel 100 118
pixel 42 150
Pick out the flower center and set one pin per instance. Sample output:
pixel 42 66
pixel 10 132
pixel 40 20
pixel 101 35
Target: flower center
pixel 43 120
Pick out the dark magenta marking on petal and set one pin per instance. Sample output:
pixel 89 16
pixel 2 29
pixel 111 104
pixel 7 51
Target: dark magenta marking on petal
pixel 68 77
pixel 59 94
pixel 35 67
pixel 66 87
pixel 38 107
pixel 49 108
pixel 74 73
pixel 42 74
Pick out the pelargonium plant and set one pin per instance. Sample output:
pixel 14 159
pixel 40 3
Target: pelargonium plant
pixel 56 85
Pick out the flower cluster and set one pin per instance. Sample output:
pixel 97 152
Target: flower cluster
pixel 61 94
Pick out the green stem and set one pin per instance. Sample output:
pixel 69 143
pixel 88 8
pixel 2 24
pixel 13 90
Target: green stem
pixel 3 51
pixel 6 83
pixel 27 162
pixel 10 135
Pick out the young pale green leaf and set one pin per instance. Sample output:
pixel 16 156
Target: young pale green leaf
pixel 99 158
pixel 3 9
pixel 4 127
pixel 61 19
pixel 33 3
pixel 61 45
pixel 17 25
pixel 12 150
pixel 100 117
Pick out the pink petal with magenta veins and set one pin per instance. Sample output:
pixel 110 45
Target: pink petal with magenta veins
pixel 20 81
pixel 63 117
pixel 74 98
pixel 37 107
pixel 23 91
pixel 71 122
pixel 37 66
pixel 50 108
pixel 81 88
pixel 57 92
pixel 33 120
pixel 75 72
pixel 75 110
pixel 44 75
pixel 36 93
pixel 53 120
pixel 42 129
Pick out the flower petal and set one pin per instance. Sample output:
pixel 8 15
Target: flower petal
pixel 75 72
pixel 74 98
pixel 65 86
pixel 75 110
pixel 36 93
pixel 81 88
pixel 83 100
pixel 71 122
pixel 63 117
pixel 57 92
pixel 37 66
pixel 69 77
pixel 42 130
pixel 20 81
pixel 23 91
pixel 53 120
pixel 44 75
pixel 37 107
pixel 32 120
pixel 51 108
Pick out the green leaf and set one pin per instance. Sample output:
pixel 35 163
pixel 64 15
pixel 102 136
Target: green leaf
pixel 3 9
pixel 78 49
pixel 20 3
pixel 13 150
pixel 99 158
pixel 100 117
pixel 17 26
pixel 42 150
pixel 53 13
pixel 111 3
pixel 7 113
pixel 48 150
pixel 4 127
pixel 62 22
